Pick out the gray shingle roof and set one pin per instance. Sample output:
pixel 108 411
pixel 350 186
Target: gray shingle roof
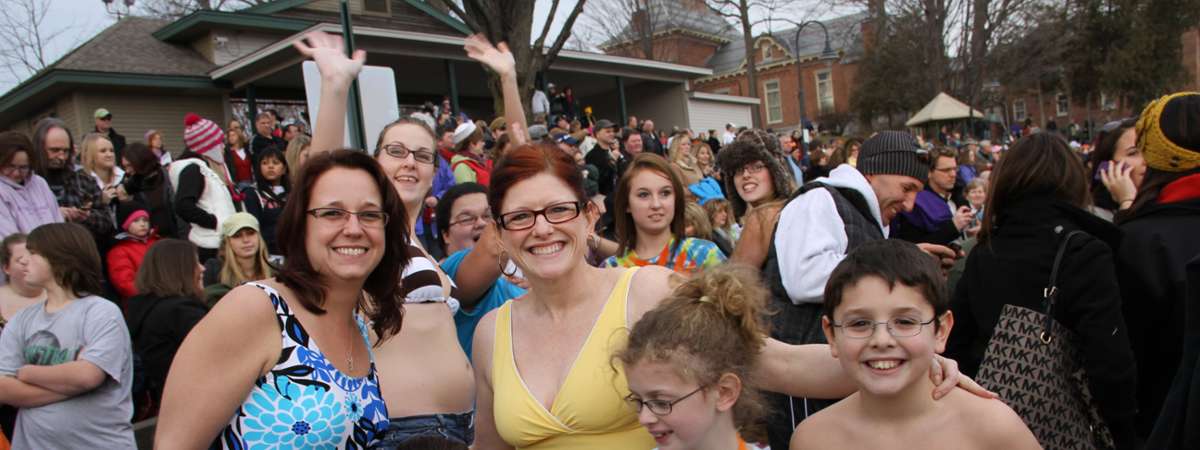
pixel 667 15
pixel 844 36
pixel 128 47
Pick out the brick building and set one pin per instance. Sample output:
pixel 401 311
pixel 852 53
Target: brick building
pixel 687 32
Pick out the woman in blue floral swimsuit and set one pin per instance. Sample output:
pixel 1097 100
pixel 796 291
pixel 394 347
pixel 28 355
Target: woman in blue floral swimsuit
pixel 257 353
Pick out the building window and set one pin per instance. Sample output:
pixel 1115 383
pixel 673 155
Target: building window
pixel 825 91
pixel 722 91
pixel 1019 110
pixel 1108 102
pixel 774 103
pixel 1062 105
pixel 377 6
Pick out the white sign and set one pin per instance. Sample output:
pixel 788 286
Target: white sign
pixel 377 91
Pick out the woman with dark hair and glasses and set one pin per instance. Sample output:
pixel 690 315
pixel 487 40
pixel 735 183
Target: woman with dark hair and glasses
pixel 426 377
pixel 1118 168
pixel 303 374
pixel 26 201
pixel 1039 194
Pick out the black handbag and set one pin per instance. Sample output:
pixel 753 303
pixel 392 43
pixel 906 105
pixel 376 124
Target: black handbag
pixel 1036 366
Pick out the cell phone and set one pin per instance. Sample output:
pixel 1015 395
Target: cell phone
pixel 956 247
pixel 1101 168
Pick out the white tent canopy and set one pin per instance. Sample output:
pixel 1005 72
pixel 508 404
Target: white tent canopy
pixel 943 107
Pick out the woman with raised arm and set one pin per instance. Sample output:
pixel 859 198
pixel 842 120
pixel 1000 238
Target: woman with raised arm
pixel 425 376
pixel 286 362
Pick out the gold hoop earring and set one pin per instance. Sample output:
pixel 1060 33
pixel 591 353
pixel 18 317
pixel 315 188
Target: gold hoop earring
pixel 501 257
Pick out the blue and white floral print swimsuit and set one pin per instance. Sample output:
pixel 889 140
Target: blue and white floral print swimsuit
pixel 306 402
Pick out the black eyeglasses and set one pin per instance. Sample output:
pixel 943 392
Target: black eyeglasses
pixel 400 151
pixel 898 327
pixel 752 168
pixel 339 216
pixel 525 219
pixel 660 408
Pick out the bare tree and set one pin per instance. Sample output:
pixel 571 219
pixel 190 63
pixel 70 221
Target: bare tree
pixel 743 12
pixel 511 21
pixel 23 30
pixel 174 9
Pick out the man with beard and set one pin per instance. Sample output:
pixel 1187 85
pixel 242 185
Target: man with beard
pixel 940 214
pixel 79 197
pixel 823 221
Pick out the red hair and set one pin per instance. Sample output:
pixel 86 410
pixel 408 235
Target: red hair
pixel 526 161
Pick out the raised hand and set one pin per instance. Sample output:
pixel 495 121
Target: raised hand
pixel 498 57
pixel 328 51
pixel 1117 177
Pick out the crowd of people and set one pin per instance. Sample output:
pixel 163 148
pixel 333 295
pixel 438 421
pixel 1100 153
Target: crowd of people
pixel 569 282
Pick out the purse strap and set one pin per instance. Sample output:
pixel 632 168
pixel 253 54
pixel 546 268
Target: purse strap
pixel 1050 293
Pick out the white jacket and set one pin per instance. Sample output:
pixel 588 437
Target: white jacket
pixel 215 199
pixel 815 239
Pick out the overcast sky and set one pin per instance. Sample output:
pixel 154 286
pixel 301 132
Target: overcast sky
pixel 82 19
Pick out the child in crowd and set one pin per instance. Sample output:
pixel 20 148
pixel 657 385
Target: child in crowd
pixel 125 257
pixel 721 216
pixel 893 283
pixel 66 362
pixel 688 361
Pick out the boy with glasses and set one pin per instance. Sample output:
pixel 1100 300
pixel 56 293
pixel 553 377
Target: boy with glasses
pixel 886 314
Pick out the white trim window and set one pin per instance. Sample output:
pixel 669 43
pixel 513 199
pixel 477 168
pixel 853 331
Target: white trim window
pixel 824 91
pixel 1019 113
pixel 377 7
pixel 1108 102
pixel 774 101
pixel 1062 105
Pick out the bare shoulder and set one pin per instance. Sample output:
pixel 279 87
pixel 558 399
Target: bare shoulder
pixel 824 430
pixel 243 310
pixel 997 425
pixel 482 342
pixel 649 287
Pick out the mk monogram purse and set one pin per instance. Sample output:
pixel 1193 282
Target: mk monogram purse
pixel 1036 366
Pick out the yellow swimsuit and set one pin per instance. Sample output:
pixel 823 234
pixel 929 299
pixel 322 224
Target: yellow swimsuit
pixel 589 411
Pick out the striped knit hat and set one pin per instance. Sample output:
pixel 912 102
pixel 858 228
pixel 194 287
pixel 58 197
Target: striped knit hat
pixel 893 153
pixel 203 136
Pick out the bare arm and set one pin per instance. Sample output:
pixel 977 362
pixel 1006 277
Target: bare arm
pixel 207 363
pixel 802 371
pixel 755 242
pixel 486 435
pixel 69 379
pixel 24 395
pixel 500 60
pixel 479 268
pixel 337 73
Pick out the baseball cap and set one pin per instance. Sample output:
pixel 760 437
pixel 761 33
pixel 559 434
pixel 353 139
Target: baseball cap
pixel 102 113
pixel 605 123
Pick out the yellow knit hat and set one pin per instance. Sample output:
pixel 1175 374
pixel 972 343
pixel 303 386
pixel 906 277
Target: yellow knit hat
pixel 1158 150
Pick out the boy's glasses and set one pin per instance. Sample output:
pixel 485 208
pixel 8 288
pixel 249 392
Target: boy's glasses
pixel 660 408
pixel 898 327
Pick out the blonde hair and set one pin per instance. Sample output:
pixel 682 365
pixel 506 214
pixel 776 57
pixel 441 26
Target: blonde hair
pixel 87 152
pixel 716 205
pixel 231 272
pixel 294 149
pixel 697 217
pixel 241 138
pixel 711 325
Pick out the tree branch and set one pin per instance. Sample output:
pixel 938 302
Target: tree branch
pixel 552 54
pixel 541 40
pixel 470 21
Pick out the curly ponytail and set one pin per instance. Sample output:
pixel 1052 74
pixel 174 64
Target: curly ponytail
pixel 712 324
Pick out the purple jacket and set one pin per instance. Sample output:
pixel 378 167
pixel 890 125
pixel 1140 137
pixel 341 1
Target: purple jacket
pixel 25 207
